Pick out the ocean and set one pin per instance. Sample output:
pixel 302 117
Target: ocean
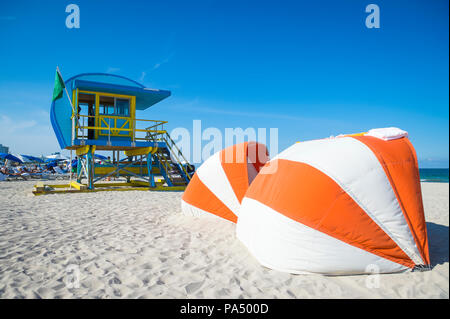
pixel 435 175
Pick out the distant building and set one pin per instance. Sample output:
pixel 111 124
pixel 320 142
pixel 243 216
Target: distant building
pixel 4 149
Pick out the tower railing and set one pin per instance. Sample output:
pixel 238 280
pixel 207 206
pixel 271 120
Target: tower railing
pixel 179 159
pixel 113 127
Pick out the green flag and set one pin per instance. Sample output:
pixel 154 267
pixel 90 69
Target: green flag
pixel 59 86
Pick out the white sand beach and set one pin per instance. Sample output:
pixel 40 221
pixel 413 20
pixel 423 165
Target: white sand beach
pixel 137 244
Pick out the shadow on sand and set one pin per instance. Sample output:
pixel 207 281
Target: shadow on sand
pixel 437 243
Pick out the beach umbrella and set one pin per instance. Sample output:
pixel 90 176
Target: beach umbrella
pixel 32 158
pixel 57 157
pixel 51 163
pixel 23 159
pixel 11 158
pixel 50 160
pixel 101 157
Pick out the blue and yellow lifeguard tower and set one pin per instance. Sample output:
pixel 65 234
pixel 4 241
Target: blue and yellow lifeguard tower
pixel 101 114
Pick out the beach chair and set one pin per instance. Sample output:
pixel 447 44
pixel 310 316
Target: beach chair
pixel 60 173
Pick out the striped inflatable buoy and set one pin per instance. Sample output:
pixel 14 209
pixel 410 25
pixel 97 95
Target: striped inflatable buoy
pixel 220 183
pixel 345 205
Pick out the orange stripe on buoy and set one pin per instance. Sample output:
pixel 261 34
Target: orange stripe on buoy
pixel 399 161
pixel 200 196
pixel 234 160
pixel 234 164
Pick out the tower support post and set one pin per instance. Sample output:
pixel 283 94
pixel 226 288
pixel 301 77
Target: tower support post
pixel 130 159
pixel 79 168
pixel 90 167
pixel 150 170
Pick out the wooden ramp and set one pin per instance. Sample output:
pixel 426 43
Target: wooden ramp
pixel 74 187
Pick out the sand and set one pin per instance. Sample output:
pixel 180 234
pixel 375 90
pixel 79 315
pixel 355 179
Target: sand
pixel 138 245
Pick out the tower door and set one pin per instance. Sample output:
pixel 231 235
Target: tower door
pixel 91 121
pixel 86 115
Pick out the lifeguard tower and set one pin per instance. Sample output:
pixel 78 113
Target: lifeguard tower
pixel 101 114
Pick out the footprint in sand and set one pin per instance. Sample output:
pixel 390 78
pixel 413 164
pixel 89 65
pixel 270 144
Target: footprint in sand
pixel 192 287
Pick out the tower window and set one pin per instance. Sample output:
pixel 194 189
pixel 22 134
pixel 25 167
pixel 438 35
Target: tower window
pixel 114 106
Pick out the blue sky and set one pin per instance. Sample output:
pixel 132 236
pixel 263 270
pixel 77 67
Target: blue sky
pixel 310 68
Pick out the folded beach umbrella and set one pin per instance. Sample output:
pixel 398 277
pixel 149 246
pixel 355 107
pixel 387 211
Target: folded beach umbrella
pixel 344 205
pixel 220 183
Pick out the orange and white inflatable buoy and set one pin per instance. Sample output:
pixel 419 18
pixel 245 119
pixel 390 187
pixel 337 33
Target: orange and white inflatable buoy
pixel 220 183
pixel 345 205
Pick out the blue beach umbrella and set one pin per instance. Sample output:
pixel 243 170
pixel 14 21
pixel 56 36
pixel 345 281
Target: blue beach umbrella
pixel 56 157
pixel 10 158
pixel 103 158
pixel 51 160
pixel 52 163
pixel 33 158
